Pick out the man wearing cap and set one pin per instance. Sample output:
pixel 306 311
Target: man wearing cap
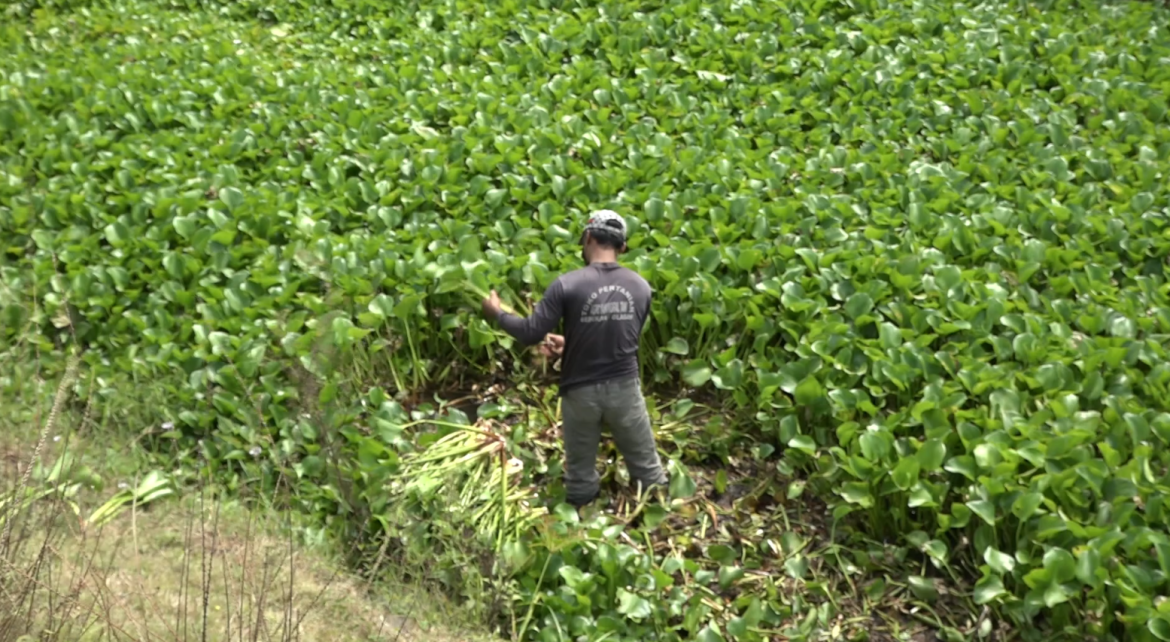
pixel 604 307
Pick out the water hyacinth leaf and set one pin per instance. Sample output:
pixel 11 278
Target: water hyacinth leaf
pixel 858 305
pixel 748 259
pixel 932 454
pixel 721 553
pixel 1055 594
pixel 937 551
pixel 382 306
pixel 856 493
pixel 796 566
pixel 803 443
pixel 575 578
pixel 729 575
pixel 874 446
pixel 682 485
pixel 1026 505
pixel 921 496
pixel 633 606
pixel 1061 564
pixel 709 633
pixel 677 345
pixel 923 588
pixel 988 589
pixel 1088 563
pixel 796 489
pixel 729 377
pixel 232 197
pixel 566 514
pixel 891 335
pixel 791 543
pixel 754 613
pixel 696 373
pixel 654 515
pixel 905 473
pixel 1159 625
pixel 737 628
pixel 809 392
pixel 410 305
pixel 984 509
pixel 1001 563
pixel 117 234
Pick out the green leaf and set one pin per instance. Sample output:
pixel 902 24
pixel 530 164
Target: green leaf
pixel 231 197
pixel 185 226
pixel 988 589
pixel 729 377
pixel 1001 563
pixel 709 633
pixel 809 392
pixel 1055 594
pixel 874 446
pixel 729 575
pixel 932 454
pixel 803 443
pixel 858 305
pixel 1159 625
pixel 409 306
pixel 856 493
pixel 748 259
pixel 117 234
pixel 737 628
pixel 796 566
pixel 754 613
pixel 633 606
pixel 923 589
pixel 382 306
pixel 681 484
pixel 677 345
pixel 1088 561
pixel 1026 505
pixel 891 335
pixel 905 473
pixel 1061 564
pixel 696 373
pixel 721 553
pixel 984 509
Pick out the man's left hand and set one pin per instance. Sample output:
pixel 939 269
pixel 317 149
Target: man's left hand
pixel 553 345
pixel 491 306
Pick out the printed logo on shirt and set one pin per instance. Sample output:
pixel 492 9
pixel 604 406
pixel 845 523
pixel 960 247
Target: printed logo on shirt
pixel 607 309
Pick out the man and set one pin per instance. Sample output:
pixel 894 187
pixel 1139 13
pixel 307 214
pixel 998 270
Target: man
pixel 604 307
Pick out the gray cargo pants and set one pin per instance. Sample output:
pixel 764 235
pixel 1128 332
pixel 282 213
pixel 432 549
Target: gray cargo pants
pixel 620 406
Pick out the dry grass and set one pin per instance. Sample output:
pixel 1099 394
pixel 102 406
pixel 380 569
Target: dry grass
pixel 145 575
pixel 188 567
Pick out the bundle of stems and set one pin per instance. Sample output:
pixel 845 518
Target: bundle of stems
pixel 470 472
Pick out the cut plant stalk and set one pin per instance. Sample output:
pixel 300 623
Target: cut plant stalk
pixel 477 462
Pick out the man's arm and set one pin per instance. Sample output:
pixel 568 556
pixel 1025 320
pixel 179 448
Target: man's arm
pixel 532 330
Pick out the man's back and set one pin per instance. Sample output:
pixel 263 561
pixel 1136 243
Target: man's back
pixel 605 308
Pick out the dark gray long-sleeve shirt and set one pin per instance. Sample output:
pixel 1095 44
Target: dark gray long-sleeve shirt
pixel 604 307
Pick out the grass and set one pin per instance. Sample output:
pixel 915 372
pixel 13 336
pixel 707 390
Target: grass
pixel 196 565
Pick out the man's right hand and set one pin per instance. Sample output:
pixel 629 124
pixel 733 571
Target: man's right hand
pixel 553 345
pixel 491 306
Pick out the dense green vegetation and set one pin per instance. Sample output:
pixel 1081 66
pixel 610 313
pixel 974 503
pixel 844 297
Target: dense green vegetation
pixel 911 313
